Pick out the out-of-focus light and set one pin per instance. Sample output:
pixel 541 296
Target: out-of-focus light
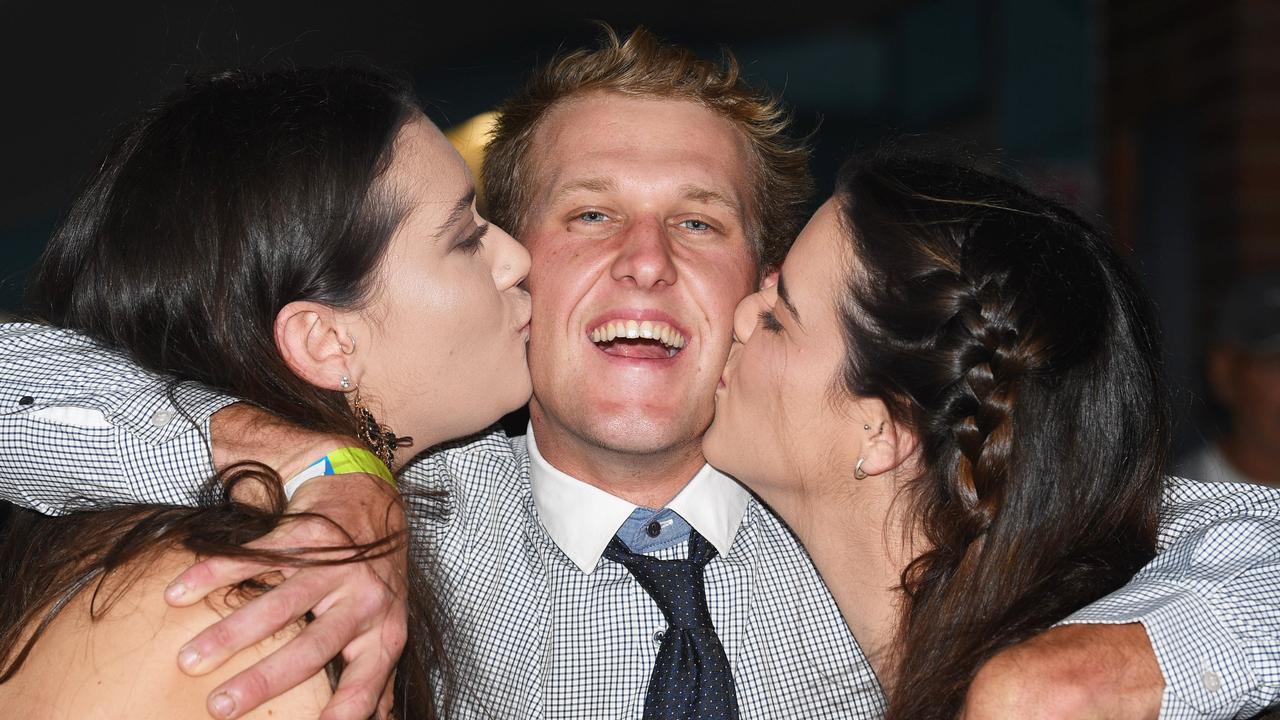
pixel 469 138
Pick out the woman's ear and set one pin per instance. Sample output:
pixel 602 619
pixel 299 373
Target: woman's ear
pixel 888 445
pixel 315 345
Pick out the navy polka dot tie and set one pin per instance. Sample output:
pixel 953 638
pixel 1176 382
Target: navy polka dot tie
pixel 691 678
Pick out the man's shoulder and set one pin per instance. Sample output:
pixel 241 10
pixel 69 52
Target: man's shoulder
pixel 1179 490
pixel 477 459
pixel 492 442
pixel 772 532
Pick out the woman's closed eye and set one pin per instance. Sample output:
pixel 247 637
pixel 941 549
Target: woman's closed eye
pixel 769 321
pixel 473 242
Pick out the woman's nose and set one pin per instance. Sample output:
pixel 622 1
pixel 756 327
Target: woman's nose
pixel 510 259
pixel 746 316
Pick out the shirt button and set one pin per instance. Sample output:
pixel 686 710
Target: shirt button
pixel 26 400
pixel 1212 681
pixel 658 636
pixel 161 418
pixel 653 529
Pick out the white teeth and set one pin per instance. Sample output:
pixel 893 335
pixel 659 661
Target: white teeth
pixel 633 329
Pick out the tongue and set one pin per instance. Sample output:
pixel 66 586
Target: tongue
pixel 635 348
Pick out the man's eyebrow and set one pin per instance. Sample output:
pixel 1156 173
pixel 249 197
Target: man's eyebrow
pixel 706 195
pixel 785 297
pixel 459 209
pixel 596 185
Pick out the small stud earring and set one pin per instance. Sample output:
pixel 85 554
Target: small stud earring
pixel 866 427
pixel 857 470
pixel 345 382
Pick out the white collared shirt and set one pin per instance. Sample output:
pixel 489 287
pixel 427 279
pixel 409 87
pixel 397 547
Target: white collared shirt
pixel 581 518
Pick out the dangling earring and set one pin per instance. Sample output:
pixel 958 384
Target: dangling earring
pixel 857 470
pixel 380 438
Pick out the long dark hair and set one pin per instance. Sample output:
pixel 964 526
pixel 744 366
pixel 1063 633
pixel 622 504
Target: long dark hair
pixel 233 197
pixel 236 195
pixel 1006 333
pixel 103 550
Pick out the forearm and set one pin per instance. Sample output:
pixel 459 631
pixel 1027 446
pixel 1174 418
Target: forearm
pixel 1072 671
pixel 67 452
pixel 1210 602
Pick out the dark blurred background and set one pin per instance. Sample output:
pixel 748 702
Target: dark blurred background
pixel 1158 118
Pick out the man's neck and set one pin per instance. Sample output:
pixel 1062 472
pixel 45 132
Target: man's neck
pixel 645 479
pixel 1252 461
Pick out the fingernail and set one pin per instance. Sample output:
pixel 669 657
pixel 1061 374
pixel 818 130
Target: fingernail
pixel 223 705
pixel 188 658
pixel 176 590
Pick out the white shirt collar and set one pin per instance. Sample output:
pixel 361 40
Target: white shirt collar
pixel 582 518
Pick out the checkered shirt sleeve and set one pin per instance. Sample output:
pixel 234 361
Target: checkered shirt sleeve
pixel 80 425
pixel 78 420
pixel 1210 601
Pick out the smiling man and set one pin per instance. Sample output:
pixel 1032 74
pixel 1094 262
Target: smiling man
pixel 598 568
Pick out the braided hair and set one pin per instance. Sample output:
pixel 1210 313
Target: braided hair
pixel 1007 335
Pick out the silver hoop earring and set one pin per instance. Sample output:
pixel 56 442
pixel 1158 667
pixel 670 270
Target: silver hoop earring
pixel 857 470
pixel 345 382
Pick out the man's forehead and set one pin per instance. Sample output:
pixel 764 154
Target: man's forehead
pixel 605 184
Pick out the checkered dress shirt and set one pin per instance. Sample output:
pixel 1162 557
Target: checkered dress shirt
pixel 539 638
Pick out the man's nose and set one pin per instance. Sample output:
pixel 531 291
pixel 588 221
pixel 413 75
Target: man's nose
pixel 646 254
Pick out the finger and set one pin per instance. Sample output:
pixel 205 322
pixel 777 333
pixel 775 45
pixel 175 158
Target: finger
pixel 386 702
pixel 208 575
pixel 362 684
pixel 256 621
pixel 299 659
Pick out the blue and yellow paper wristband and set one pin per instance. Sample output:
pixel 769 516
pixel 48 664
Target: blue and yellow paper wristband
pixel 340 462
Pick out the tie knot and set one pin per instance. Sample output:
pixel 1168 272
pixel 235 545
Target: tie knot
pixel 675 585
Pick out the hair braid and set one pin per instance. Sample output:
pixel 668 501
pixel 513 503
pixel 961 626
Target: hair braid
pixel 999 328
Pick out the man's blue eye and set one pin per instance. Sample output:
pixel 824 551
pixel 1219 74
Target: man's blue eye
pixel 696 225
pixel 593 216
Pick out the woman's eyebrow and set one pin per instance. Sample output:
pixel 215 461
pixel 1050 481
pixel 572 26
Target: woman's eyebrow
pixel 785 297
pixel 459 209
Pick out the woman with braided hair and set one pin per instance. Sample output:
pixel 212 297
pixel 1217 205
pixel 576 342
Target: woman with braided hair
pixel 953 395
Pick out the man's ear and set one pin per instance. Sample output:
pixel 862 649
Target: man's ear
pixel 769 280
pixel 315 345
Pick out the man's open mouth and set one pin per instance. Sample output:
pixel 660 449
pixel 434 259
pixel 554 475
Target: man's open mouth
pixel 643 339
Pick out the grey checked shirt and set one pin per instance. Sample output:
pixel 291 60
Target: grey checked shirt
pixel 539 638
